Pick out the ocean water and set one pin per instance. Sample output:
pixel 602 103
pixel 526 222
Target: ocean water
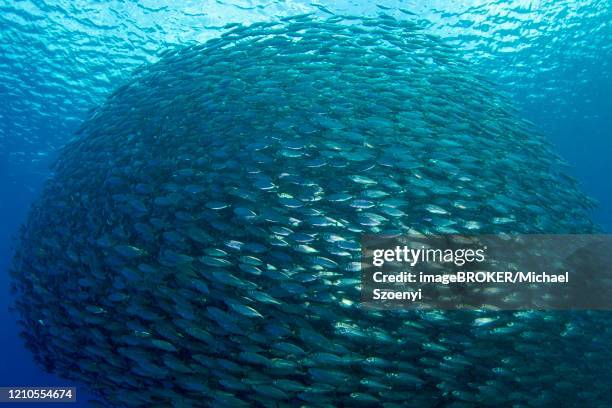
pixel 59 60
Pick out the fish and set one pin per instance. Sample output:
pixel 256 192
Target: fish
pixel 199 241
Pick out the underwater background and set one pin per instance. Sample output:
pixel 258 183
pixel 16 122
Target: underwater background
pixel 60 59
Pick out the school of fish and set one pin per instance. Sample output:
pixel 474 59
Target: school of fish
pixel 198 242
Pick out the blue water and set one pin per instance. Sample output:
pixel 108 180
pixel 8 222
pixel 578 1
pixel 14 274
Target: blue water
pixel 58 59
